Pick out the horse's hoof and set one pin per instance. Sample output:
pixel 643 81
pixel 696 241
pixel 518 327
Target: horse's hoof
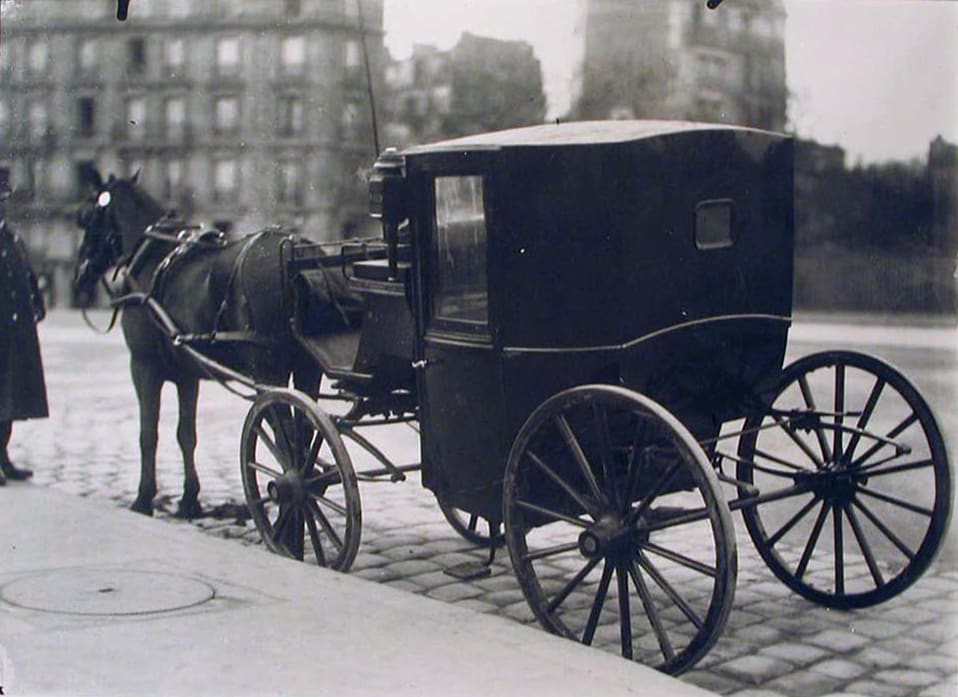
pixel 189 510
pixel 144 507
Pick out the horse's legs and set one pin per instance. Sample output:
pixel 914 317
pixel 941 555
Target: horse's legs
pixel 148 384
pixel 188 391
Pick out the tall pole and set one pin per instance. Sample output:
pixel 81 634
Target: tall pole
pixel 369 77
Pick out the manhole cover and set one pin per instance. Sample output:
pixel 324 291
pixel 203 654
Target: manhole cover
pixel 106 592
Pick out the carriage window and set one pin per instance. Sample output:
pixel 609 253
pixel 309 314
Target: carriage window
pixel 459 252
pixel 713 224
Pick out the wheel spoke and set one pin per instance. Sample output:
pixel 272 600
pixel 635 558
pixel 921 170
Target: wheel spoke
pixel 591 508
pixel 660 634
pixel 314 538
pixel 839 409
pixel 271 446
pixel 891 435
pixel 550 551
pixel 800 442
pixel 279 428
pixel 268 471
pixel 839 550
pixel 573 444
pixel 281 521
pixel 597 604
pixel 780 461
pixel 572 585
pixel 327 526
pixel 865 417
pixel 895 501
pixel 600 417
pixel 810 403
pixel 892 537
pixel 625 615
pixel 692 516
pixel 685 561
pixel 812 541
pixel 295 537
pixel 314 449
pixel 873 471
pixel 298 439
pixel 331 504
pixel 782 531
pixel 659 487
pixel 555 515
pixel 667 588
pixel 865 548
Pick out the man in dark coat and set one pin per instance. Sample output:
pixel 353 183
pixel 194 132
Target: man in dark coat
pixel 22 391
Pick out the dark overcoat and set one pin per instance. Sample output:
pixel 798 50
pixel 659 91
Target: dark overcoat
pixel 23 393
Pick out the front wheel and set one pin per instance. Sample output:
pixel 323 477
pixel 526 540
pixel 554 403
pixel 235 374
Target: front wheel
pixel 299 481
pixel 853 480
pixel 616 527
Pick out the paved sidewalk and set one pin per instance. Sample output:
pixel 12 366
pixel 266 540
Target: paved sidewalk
pixel 98 601
pixel 775 643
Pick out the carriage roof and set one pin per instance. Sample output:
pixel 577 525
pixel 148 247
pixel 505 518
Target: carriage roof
pixel 577 133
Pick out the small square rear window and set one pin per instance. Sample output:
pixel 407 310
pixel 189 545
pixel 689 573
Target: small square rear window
pixel 713 224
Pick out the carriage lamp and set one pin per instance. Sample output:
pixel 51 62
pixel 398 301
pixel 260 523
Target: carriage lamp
pixel 387 200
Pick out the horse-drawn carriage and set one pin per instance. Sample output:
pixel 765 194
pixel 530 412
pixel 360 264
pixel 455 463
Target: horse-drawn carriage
pixel 589 322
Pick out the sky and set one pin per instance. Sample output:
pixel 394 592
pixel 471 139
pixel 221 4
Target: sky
pixel 877 77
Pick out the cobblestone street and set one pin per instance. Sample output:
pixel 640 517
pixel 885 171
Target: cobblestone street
pixel 775 643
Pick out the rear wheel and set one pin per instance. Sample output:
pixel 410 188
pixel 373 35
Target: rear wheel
pixel 470 526
pixel 870 483
pixel 299 482
pixel 617 529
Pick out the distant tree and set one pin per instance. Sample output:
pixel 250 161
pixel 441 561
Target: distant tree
pixel 495 85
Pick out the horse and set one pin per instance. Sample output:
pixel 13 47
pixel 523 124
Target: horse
pixel 209 287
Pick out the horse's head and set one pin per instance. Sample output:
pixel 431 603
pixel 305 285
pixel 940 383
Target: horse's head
pixel 113 221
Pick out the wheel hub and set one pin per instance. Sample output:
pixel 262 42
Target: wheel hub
pixel 289 488
pixel 836 486
pixel 607 537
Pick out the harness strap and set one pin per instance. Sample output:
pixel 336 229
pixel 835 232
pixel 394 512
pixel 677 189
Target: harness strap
pixel 234 274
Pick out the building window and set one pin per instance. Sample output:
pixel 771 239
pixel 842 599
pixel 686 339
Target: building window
pixel 136 55
pixel 225 115
pixel 228 56
pixel 136 117
pixel 6 57
pixel 172 178
pixel 81 183
pixel 290 121
pixel 38 120
pixel 293 8
pixel 225 180
pixel 37 57
pixel 174 116
pixel 4 120
pixel 354 54
pixel 351 120
pixel 291 182
pixel 293 55
pixel 173 56
pixel 5 178
pixel 87 57
pixel 86 117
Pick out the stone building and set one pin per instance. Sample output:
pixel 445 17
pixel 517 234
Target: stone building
pixel 676 59
pixel 236 114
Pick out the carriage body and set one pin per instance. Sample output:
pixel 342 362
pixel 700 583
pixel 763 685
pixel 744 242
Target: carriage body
pixel 653 255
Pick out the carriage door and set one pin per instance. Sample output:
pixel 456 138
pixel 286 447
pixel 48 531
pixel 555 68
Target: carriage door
pixel 460 387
